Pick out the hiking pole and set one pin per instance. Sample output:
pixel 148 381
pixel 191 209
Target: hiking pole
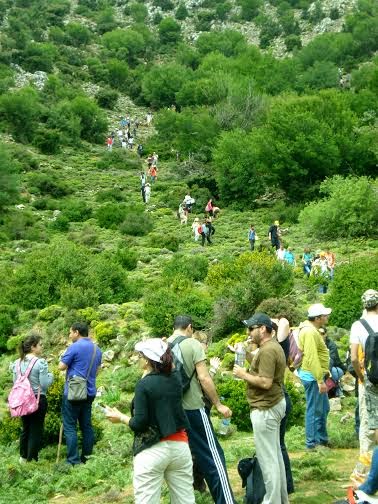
pixel 60 443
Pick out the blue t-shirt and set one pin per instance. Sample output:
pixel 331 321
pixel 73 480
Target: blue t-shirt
pixel 252 235
pixel 77 358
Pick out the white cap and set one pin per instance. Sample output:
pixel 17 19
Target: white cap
pixel 153 348
pixel 317 310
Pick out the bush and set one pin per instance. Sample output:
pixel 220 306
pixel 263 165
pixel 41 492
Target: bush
pixel 281 307
pixel 21 110
pixel 48 183
pixel 192 267
pixel 298 403
pixel 169 31
pixel 75 210
pixel 8 321
pixel 119 160
pixel 104 332
pixel 234 394
pixel 50 313
pixel 47 140
pixel 107 98
pixel 110 215
pixel 9 179
pixel 293 42
pixel 349 209
pixel 166 241
pixel 137 223
pixel 249 9
pixel 127 258
pixel 350 282
pixel 181 12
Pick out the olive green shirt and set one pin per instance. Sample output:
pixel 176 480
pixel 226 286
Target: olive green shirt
pixel 192 353
pixel 269 362
pixel 315 352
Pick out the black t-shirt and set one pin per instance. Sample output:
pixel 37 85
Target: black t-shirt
pixel 273 232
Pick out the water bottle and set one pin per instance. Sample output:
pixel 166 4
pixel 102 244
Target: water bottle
pixel 224 427
pixel 239 355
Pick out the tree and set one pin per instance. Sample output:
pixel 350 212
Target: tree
pixel 161 83
pixel 169 31
pixel 9 179
pixel 181 12
pixel 77 34
pixel 118 74
pixel 227 42
pixel 249 9
pixel 124 44
pixel 92 119
pixel 21 111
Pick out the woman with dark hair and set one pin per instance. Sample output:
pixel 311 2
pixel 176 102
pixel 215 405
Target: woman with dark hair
pixel 40 379
pixel 160 448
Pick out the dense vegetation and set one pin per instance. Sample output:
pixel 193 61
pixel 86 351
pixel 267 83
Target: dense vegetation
pixel 270 108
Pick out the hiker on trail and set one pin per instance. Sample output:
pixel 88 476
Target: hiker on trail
pixel 252 237
pixel 202 440
pixel 149 118
pixel 40 379
pixel 307 259
pixel 149 161
pixel 123 122
pixel 153 173
pixel 109 143
pixel 313 371
pixel 131 143
pixel 182 214
pixel 81 359
pixel 160 427
pixel 267 402
pixel 320 270
pixel 140 150
pixel 367 391
pixel 273 234
pixel 205 233
pixel 195 226
pixel 188 202
pixel 209 225
pixel 143 179
pixel 147 192
pixel 209 207
pixel 280 253
pixel 331 261
pixel 155 159
pixel 289 256
pixel 143 193
pixel 124 143
pixel 120 136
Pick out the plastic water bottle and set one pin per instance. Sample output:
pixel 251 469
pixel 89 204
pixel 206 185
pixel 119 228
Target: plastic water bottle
pixel 224 427
pixel 240 355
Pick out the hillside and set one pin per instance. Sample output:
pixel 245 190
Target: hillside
pixel 268 108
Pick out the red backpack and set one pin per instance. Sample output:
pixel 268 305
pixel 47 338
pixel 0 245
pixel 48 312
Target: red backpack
pixel 22 400
pixel 295 354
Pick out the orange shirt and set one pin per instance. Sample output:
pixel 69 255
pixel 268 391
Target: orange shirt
pixel 180 435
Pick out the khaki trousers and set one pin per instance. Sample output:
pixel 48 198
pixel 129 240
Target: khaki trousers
pixel 169 460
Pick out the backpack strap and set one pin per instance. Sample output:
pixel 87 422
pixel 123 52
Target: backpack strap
pixel 92 360
pixel 177 341
pixel 367 327
pixel 28 369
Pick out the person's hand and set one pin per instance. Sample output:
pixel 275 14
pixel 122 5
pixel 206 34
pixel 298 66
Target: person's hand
pixel 113 414
pixel 224 410
pixel 239 372
pixel 215 363
pixel 322 388
pixel 231 348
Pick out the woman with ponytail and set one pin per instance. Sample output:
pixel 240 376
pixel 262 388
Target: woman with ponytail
pixel 40 379
pixel 161 449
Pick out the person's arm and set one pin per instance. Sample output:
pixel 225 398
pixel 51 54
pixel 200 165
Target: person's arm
pixel 283 329
pixel 140 420
pixel 308 346
pixel 45 378
pixel 262 382
pixel 62 366
pixel 208 387
pixel 355 361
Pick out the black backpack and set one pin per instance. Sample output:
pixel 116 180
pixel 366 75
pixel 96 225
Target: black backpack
pixel 371 353
pixel 250 472
pixel 178 361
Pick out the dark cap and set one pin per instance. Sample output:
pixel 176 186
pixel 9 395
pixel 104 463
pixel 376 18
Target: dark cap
pixel 259 319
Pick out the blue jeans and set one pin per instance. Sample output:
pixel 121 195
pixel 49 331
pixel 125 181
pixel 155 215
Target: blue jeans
pixel 336 374
pixel 317 409
pixel 74 412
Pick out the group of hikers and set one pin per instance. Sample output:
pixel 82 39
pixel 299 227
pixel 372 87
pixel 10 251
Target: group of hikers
pixel 127 133
pixel 170 417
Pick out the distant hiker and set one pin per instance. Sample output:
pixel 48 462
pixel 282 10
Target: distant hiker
pixel 153 173
pixel 182 214
pixel 195 229
pixel 188 202
pixel 123 122
pixel 109 143
pixel 136 123
pixel 210 227
pixel 209 207
pixel 273 234
pixel 40 379
pixel 140 150
pixel 252 237
pixel 147 192
pixel 149 161
pixel 131 143
pixel 120 135
pixel 124 143
pixel 161 450
pixel 331 260
pixel 149 118
pixel 143 179
pixel 205 233
pixel 81 359
pixel 320 270
pixel 289 256
pixel 280 253
pixel 307 259
pixel 155 159
pixel 143 193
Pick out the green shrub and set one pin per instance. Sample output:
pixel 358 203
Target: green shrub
pixel 21 110
pixel 234 393
pixel 169 31
pixel 9 178
pixel 119 160
pixel 181 12
pixel 107 98
pixel 350 282
pixel 88 315
pixel 110 215
pixel 8 321
pixel 48 183
pixel 293 42
pixel 165 5
pixel 281 307
pixel 50 313
pixel 75 210
pixel 137 223
pixel 349 209
pixel 104 332
pixel 192 267
pixel 298 403
pixel 47 140
pixel 60 224
pixel 127 258
pixel 167 241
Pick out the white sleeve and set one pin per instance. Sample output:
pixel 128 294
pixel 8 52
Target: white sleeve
pixel 355 333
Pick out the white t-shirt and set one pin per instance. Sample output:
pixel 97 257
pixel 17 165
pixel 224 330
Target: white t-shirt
pixel 280 254
pixel 358 333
